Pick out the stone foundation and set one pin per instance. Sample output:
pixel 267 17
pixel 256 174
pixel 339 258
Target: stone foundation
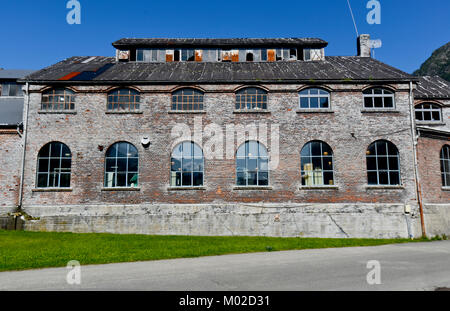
pixel 280 220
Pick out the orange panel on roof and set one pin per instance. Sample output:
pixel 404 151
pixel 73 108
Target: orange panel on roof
pixel 70 76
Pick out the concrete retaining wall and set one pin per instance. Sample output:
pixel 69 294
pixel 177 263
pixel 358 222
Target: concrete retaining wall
pixel 283 220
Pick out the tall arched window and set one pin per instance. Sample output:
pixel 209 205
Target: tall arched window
pixel 187 99
pixel 251 98
pixel 445 165
pixel 428 112
pixel 124 100
pixel 54 166
pixel 317 164
pixel 59 99
pixel 121 166
pixel 383 163
pixel 187 165
pixel 252 165
pixel 379 98
pixel 314 98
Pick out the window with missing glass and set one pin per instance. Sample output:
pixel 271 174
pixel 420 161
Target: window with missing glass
pixel 187 165
pixel 317 164
pixel 58 100
pixel 54 166
pixel 122 100
pixel 379 98
pixel 445 165
pixel 11 89
pixel 121 166
pixel 428 112
pixel 252 165
pixel 251 98
pixel 314 98
pixel 383 163
pixel 187 100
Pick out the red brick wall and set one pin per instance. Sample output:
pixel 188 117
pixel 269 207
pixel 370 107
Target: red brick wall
pixel 429 150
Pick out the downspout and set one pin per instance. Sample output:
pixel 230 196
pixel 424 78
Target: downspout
pixel 416 167
pixel 25 134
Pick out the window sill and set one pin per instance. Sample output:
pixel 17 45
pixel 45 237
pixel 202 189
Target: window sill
pixel 124 112
pixel 314 110
pixel 122 189
pixel 187 112
pixel 57 112
pixel 381 187
pixel 251 111
pixel 429 123
pixel 325 187
pixel 52 190
pixel 379 110
pixel 252 188
pixel 445 188
pixel 185 188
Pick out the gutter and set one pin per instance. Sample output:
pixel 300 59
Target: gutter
pixel 25 134
pixel 416 168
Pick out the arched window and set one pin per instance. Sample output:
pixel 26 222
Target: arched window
pixel 314 98
pixel 59 99
pixel 317 164
pixel 249 56
pixel 251 98
pixel 252 165
pixel 187 99
pixel 124 100
pixel 121 166
pixel 54 166
pixel 428 112
pixel 378 98
pixel 187 165
pixel 445 165
pixel 383 163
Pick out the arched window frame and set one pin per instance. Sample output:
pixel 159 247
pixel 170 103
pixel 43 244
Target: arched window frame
pixel 123 100
pixel 317 164
pixel 121 166
pixel 251 98
pixel 54 166
pixel 445 166
pixel 383 164
pixel 314 98
pixel 187 165
pixel 379 98
pixel 430 114
pixel 249 165
pixel 187 99
pixel 58 99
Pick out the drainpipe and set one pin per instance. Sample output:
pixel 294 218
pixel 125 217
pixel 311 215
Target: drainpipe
pixel 25 134
pixel 416 167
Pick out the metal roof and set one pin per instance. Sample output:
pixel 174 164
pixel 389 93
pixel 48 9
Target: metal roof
pixel 14 73
pixel 219 42
pixel 430 87
pixel 103 70
pixel 11 110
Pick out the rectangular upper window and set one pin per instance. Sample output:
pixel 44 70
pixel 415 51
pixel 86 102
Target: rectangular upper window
pixel 11 89
pixel 147 55
pixel 379 98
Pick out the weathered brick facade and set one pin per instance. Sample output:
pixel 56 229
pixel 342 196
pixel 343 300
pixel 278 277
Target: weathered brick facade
pixel 10 164
pixel 348 208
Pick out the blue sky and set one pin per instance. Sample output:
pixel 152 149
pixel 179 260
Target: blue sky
pixel 35 33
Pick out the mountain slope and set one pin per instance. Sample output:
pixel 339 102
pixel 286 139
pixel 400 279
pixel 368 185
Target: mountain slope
pixel 437 64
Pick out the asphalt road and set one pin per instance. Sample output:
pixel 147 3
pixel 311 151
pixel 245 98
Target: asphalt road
pixel 412 266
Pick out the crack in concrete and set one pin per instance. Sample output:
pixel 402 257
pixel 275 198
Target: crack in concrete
pixel 337 225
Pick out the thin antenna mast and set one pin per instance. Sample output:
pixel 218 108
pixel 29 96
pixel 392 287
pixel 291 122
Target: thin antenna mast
pixel 353 18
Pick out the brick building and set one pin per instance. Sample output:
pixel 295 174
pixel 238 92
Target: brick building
pixel 11 116
pixel 226 136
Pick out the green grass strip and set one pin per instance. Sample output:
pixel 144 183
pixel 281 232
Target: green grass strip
pixel 21 250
